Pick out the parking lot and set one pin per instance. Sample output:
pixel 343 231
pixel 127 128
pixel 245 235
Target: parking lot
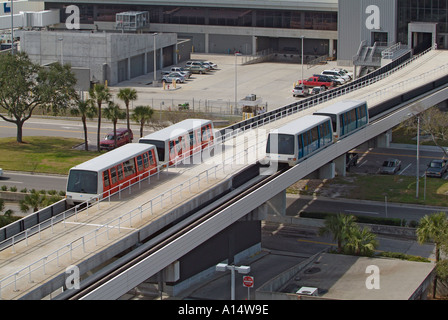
pixel 371 160
pixel 215 91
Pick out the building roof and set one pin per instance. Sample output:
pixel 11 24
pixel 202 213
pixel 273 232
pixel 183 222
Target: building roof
pixel 301 124
pixel 176 129
pixel 315 5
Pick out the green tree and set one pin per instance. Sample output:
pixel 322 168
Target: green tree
pixel 25 86
pixel 141 115
pixel 87 110
pixel 361 242
pixel 433 227
pixel 114 113
pixel 100 93
pixel 340 226
pixel 34 201
pixel 127 95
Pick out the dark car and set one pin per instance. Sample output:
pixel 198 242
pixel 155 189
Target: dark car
pixel 437 168
pixel 123 136
pixel 391 166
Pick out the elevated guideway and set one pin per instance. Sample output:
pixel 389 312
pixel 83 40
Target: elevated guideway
pixel 36 266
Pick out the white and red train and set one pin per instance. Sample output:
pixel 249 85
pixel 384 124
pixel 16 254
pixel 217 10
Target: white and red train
pixel 105 174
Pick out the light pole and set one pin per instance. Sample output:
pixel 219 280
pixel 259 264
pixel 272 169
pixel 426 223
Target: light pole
pixel 241 269
pixel 236 81
pixel 303 37
pixel 418 154
pixel 62 53
pixel 155 59
pixel 12 27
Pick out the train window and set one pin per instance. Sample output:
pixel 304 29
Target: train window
pixel 205 133
pixel 191 139
pixel 314 134
pixel 146 160
pixel 139 163
pixel 106 178
pixel 285 144
pixel 113 175
pixel 129 168
pixel 151 157
pixel 120 172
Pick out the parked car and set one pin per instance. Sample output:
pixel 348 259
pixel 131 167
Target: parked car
pixel 300 91
pixel 336 73
pixel 124 136
pixel 212 65
pixel 1 172
pixel 345 72
pixel 336 79
pixel 390 166
pixel 186 74
pixel 197 69
pixel 176 76
pixel 317 90
pixel 317 81
pixel 437 168
pixel 190 64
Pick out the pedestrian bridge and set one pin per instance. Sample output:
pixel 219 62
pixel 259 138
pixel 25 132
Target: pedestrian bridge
pixel 43 260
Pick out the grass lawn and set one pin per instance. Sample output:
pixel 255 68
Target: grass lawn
pixel 42 154
pixel 400 189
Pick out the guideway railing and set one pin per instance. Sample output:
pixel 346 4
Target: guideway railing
pixel 149 207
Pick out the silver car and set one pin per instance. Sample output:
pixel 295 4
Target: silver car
pixel 390 166
pixel 176 76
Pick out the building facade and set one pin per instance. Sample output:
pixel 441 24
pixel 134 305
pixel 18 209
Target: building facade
pixel 216 27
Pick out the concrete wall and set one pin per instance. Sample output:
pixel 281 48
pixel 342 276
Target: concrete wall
pixel 101 52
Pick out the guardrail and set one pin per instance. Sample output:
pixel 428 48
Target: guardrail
pixel 117 223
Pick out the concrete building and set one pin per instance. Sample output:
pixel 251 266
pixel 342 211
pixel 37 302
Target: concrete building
pixel 216 27
pixel 114 57
pixel 366 28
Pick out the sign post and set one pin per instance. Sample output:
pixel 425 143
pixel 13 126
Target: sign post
pixel 248 282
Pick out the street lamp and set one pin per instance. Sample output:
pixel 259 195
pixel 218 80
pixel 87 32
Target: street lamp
pixel 155 58
pixel 222 267
pixel 236 81
pixel 62 53
pixel 418 153
pixel 303 37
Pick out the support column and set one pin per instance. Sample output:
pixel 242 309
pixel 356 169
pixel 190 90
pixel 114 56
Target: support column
pixel 207 43
pixel 341 165
pixel 254 45
pixel 330 48
pixel 327 171
pixel 384 139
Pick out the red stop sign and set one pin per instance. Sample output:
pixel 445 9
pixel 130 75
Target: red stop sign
pixel 248 281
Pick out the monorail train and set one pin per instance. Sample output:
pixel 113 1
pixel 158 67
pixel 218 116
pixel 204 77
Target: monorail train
pixel 102 175
pixel 346 116
pixel 305 136
pixel 299 139
pixel 180 140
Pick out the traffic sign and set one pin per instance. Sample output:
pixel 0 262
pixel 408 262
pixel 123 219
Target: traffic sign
pixel 248 281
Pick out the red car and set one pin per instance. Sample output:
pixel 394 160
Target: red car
pixel 316 81
pixel 123 136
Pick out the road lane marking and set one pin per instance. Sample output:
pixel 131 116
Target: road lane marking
pixel 367 212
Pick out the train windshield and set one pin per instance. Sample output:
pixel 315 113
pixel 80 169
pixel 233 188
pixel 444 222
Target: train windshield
pixel 81 181
pixel 280 144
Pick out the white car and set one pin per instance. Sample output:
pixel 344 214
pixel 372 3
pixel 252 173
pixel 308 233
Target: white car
pixel 212 65
pixel 300 91
pixel 1 172
pixel 336 73
pixel 345 72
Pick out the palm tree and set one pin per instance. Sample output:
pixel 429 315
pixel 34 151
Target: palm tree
pixel 361 242
pixel 141 115
pixel 85 109
pixel 340 226
pixel 35 200
pixel 99 93
pixel 433 227
pixel 114 113
pixel 127 95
